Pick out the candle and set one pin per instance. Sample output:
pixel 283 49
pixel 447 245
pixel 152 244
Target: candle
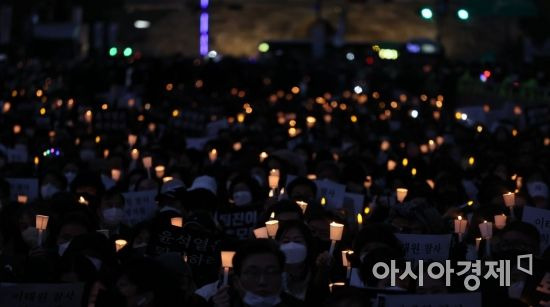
pixel 509 199
pixel 88 116
pixel 132 139
pixel 213 155
pixel 263 156
pixel 359 220
pixel 176 221
pixel 227 262
pixel 119 244
pixel 336 231
pixel 273 179
pixel 261 233
pixel 391 165
pixel 272 227
pixel 500 221
pixel 323 201
pixel 486 229
pixel 303 206
pixel 159 171
pixel 335 284
pixel 460 227
pixel 478 242
pixel 82 200
pixel 134 154
pixel 115 174
pixel 41 225
pixel 22 199
pixel 346 263
pixel 401 194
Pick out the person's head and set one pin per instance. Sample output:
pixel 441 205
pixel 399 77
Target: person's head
pixel 243 190
pixel 286 210
pixel 302 189
pixel 112 208
pixel 517 238
pixel 258 266
pixel 295 241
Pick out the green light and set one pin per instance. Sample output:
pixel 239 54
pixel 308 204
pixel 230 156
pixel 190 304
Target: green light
pixel 426 13
pixel 128 51
pixel 463 14
pixel 113 51
pixel 263 47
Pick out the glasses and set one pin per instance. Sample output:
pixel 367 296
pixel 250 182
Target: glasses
pixel 256 274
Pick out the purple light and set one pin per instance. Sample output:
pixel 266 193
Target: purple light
pixel 204 4
pixel 204 44
pixel 204 23
pixel 413 48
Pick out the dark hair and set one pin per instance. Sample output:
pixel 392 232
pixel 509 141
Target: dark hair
pixel 255 247
pixel 301 181
pixel 304 230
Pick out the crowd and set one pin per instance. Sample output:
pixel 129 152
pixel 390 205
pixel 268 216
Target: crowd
pixel 138 179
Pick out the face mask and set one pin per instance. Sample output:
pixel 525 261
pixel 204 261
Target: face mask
pixel 61 248
pixel 242 198
pixel 294 252
pixel 30 236
pixel 254 300
pixel 48 190
pixel 113 216
pixel 70 176
pixel 87 155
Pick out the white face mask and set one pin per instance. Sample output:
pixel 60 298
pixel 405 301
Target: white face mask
pixel 254 300
pixel 61 248
pixel 48 190
pixel 70 176
pixel 113 216
pixel 294 252
pixel 242 198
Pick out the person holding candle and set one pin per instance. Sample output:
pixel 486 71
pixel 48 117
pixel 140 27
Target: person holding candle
pixel 257 278
pixel 301 278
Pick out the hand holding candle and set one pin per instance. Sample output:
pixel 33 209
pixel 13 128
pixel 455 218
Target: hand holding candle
pixel 261 233
pixel 401 194
pixel 227 263
pixel 336 231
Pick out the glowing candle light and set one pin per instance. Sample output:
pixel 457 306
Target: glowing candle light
pixel 134 154
pixel 303 206
pixel 401 194
pixel 272 227
pixel 119 244
pixel 176 222
pixel 227 263
pixel 22 199
pixel 115 174
pixel 213 155
pixel 41 225
pixel 263 156
pixel 159 171
pixel 460 227
pixel 336 231
pixel 500 221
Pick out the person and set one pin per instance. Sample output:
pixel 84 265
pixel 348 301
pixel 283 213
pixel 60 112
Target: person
pixel 257 278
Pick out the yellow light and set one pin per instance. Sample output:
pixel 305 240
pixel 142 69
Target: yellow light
pixel 388 54
pixel 366 210
pixel 14 93
pixel 439 104
pixel 334 104
pixel 104 106
pixel 353 119
pixel 413 171
pixel 514 132
pixel 16 129
pixel 393 104
pixel 147 106
pixel 6 107
pixel 295 90
pixel 97 139
pixel 320 100
pixel 405 162
pixel 272 216
pixel 240 118
pixel 458 116
pixel 471 161
pixel 169 87
pixel 42 111
pixel 310 120
pixel 36 160
pixel 514 176
pixel 385 145
pixel 431 183
pixel 323 201
pixel 359 219
pixel 479 128
pixel 391 165
pixel 470 203
pixel 292 123
pixel 175 113
pixel 237 146
pixel 292 132
pixel 39 93
pixel 343 107
pixel 263 156
pixel 375 48
pixel 312 177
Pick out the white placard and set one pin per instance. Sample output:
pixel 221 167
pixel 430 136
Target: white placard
pixel 23 186
pixel 39 295
pixel 539 218
pixel 332 191
pixel 425 247
pixel 139 206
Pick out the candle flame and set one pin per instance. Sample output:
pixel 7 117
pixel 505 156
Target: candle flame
pixel 460 218
pixel 323 201
pixel 272 216
pixel 359 219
